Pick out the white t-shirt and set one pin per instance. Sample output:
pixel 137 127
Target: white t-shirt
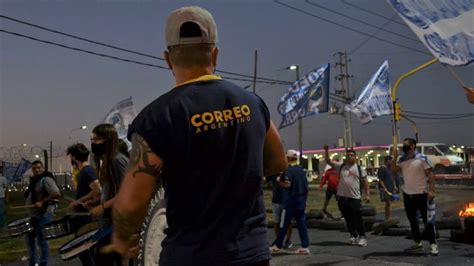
pixel 349 181
pixel 3 186
pixel 414 176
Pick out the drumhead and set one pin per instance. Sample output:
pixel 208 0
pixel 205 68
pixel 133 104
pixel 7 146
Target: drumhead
pixel 18 222
pixel 152 233
pixel 77 241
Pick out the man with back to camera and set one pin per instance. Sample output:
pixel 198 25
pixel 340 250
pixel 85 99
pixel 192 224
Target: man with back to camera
pixel 212 143
pixel 294 204
pixel 351 179
pixel 418 190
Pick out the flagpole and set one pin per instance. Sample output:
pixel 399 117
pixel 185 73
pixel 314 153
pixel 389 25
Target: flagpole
pixel 395 129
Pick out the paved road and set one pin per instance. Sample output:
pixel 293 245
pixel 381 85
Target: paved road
pixel 330 248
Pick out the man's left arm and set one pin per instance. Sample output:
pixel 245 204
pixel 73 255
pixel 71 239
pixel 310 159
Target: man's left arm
pixel 136 191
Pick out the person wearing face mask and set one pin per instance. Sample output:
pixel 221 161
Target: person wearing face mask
pixel 111 166
pixel 88 189
pixel 418 190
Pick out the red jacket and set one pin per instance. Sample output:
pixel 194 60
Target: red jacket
pixel 332 178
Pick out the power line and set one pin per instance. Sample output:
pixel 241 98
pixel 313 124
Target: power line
pixel 119 48
pixel 82 50
pixel 371 12
pixel 440 118
pixel 433 114
pixel 112 57
pixel 351 29
pixel 361 21
pixel 370 37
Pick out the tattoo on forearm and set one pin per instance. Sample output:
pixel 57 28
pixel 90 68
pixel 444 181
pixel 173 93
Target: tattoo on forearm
pixel 126 225
pixel 140 157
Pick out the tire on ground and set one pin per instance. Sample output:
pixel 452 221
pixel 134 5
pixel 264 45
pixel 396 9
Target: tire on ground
pixel 313 223
pixel 332 224
pixel 368 222
pixel 395 231
pixel 314 214
pixel 458 236
pixel 368 210
pixel 448 223
pixel 379 227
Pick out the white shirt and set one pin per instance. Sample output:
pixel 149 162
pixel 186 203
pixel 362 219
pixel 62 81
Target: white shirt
pixel 349 180
pixel 414 176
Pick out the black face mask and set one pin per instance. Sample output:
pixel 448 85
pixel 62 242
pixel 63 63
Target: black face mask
pixel 406 148
pixel 98 149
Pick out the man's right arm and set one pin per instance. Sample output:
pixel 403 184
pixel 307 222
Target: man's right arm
pixel 274 158
pixel 326 157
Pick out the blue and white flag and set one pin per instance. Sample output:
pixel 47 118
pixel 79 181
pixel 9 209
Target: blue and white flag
pixel 22 168
pixel 307 96
pixel 445 27
pixel 9 170
pixel 376 98
pixel 121 116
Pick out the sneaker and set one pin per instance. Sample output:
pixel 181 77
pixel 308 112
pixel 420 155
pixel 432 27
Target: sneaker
pixel 434 250
pixel 302 251
pixel 353 241
pixel 362 242
pixel 288 244
pixel 417 247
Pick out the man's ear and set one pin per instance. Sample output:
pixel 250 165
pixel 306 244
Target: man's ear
pixel 215 54
pixel 166 54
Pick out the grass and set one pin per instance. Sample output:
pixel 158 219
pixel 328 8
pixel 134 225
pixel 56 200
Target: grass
pixel 12 249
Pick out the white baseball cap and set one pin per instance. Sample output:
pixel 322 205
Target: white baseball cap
pixel 195 18
pixel 292 154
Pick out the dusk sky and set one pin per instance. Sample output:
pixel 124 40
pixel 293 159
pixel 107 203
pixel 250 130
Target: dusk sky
pixel 47 91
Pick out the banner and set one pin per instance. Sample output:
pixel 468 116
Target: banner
pixel 376 98
pixel 445 27
pixel 121 116
pixel 22 168
pixel 9 170
pixel 306 97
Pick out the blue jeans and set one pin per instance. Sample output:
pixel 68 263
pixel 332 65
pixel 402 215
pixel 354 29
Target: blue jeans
pixel 295 209
pixel 2 212
pixel 37 235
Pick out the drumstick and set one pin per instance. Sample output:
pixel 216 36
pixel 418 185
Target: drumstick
pixel 22 206
pixel 78 213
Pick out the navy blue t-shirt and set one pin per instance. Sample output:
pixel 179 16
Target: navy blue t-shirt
pixel 298 191
pixel 84 178
pixel 385 175
pixel 210 135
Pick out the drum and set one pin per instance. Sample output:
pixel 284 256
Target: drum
pixel 152 233
pixel 20 227
pixel 58 228
pixel 79 244
pixel 82 243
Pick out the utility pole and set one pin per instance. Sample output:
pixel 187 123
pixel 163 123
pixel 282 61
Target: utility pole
pixel 343 77
pixel 51 155
pixel 255 72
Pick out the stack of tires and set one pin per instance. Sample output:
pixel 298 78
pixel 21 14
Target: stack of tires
pixel 313 218
pixel 465 235
pixel 368 216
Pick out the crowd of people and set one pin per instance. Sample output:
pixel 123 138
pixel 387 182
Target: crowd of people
pixel 215 209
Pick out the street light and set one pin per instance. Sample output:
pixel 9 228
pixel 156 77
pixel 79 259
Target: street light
pixel 78 128
pixel 296 68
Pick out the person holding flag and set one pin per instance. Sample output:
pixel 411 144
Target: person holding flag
pixel 418 192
